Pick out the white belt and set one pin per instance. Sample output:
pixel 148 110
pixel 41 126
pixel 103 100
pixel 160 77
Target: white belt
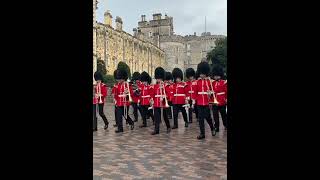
pixel 123 95
pixel 145 96
pixel 220 93
pixel 191 91
pixel 179 95
pixel 202 92
pixel 159 96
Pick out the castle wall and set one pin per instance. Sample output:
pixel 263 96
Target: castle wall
pixel 114 46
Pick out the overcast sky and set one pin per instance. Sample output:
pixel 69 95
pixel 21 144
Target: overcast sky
pixel 188 15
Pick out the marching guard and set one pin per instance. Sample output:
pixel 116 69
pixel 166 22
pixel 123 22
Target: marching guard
pixel 179 101
pixel 191 85
pixel 220 93
pixel 123 94
pixel 159 101
pixel 168 84
pixel 135 96
pixel 100 92
pixel 144 98
pixel 115 86
pixel 203 95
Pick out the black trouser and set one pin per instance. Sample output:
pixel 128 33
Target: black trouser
pixel 120 113
pixel 176 109
pixel 100 107
pixel 222 109
pixel 196 111
pixel 169 112
pixel 135 111
pixel 204 113
pixel 144 112
pixel 115 114
pixel 191 110
pixel 157 118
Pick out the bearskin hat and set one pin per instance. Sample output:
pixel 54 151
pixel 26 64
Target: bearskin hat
pixel 159 73
pixel 115 74
pixel 144 77
pixel 203 68
pixel 190 72
pixel 149 79
pixel 217 71
pixel 97 76
pixel 197 75
pixel 177 73
pixel 122 74
pixel 168 76
pixel 135 76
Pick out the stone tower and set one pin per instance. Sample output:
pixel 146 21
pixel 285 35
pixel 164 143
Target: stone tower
pixel 108 18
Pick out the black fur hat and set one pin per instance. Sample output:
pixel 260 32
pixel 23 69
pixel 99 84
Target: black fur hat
pixel 97 76
pixel 190 72
pixel 159 73
pixel 168 76
pixel 135 76
pixel 144 77
pixel 197 75
pixel 115 74
pixel 149 79
pixel 203 68
pixel 217 71
pixel 177 73
pixel 122 74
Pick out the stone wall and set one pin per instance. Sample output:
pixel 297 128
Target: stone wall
pixel 114 46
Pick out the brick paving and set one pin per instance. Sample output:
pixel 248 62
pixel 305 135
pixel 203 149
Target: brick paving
pixel 135 154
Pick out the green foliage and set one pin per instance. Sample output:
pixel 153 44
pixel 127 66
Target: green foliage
pixel 218 55
pixel 109 80
pixel 122 65
pixel 101 67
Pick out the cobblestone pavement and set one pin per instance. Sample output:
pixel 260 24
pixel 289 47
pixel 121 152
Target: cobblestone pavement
pixel 135 154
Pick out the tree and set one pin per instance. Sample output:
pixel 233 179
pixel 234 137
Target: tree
pixel 122 65
pixel 218 55
pixel 109 80
pixel 101 67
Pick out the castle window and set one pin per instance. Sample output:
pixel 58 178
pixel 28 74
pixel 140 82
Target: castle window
pixel 150 34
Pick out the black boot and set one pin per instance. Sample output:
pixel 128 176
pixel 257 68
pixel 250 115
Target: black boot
pixel 154 133
pixel 132 126
pixel 174 127
pixel 201 136
pixel 118 131
pixel 106 126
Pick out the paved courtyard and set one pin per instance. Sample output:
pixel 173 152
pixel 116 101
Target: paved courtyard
pixel 135 154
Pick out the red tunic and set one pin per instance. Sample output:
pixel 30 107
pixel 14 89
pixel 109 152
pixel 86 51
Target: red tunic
pixel 220 90
pixel 191 87
pixel 136 98
pixel 115 86
pixel 180 93
pixel 145 94
pixel 201 90
pixel 158 95
pixel 103 91
pixel 169 89
pixel 122 99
